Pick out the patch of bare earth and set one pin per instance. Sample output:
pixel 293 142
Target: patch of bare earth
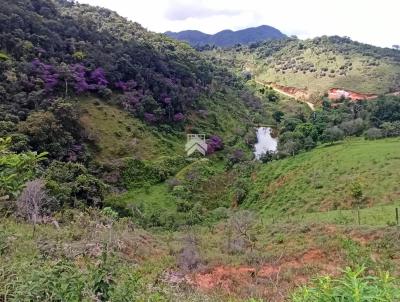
pixel 268 280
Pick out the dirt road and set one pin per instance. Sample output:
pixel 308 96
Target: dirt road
pixel 310 105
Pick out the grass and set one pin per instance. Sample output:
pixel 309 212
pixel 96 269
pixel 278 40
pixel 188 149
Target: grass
pixel 69 263
pixel 362 78
pixel 384 215
pixel 322 179
pixel 318 64
pixel 118 134
pixel 149 200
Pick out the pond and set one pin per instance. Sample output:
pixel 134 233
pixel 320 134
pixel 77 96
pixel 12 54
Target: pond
pixel 265 142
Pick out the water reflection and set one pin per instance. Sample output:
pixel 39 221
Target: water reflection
pixel 265 142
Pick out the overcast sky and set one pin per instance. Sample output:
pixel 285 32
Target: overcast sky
pixel 370 21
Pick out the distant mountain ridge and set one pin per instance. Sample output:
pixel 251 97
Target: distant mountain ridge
pixel 227 38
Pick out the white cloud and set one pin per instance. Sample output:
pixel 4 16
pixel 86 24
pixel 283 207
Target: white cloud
pixel 369 21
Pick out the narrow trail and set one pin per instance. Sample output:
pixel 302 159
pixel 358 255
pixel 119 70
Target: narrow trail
pixel 310 105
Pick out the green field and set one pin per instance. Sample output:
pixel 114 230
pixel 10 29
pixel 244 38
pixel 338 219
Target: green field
pixel 323 179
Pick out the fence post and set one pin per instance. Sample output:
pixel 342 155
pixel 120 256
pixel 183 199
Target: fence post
pixel 397 216
pixel 358 216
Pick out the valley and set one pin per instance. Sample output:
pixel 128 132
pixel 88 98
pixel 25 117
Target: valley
pixel 296 199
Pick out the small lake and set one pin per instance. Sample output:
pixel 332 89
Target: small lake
pixel 265 142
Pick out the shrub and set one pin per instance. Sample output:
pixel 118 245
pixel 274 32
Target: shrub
pixel 71 184
pixel 354 286
pixel 333 134
pixel 136 172
pixel 373 133
pixel 34 201
pixel 353 127
pixel 189 257
pixel 391 128
pixel 16 169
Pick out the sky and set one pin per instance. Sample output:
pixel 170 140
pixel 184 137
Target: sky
pixel 369 21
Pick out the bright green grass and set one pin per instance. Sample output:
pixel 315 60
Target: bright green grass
pixel 117 134
pixel 148 200
pixel 321 180
pixel 383 215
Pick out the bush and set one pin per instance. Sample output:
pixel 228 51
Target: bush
pixel 353 127
pixel 136 172
pixel 16 169
pixel 391 129
pixel 373 133
pixel 354 286
pixel 72 184
pixel 333 134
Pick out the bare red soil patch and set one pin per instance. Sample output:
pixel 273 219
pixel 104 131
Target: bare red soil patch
pixel 337 94
pixel 267 278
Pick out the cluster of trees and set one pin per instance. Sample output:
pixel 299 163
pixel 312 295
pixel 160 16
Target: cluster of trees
pixel 52 53
pixel 36 188
pixel 374 120
pixel 51 49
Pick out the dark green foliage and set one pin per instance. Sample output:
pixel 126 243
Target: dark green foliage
pixel 391 128
pixel 330 124
pixel 16 169
pixel 72 185
pixel 136 172
pixel 278 115
pixel 78 56
pixel 45 132
pixel 385 110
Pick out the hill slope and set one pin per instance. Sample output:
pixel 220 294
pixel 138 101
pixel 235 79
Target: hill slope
pixel 319 64
pixel 325 178
pixel 66 51
pixel 227 38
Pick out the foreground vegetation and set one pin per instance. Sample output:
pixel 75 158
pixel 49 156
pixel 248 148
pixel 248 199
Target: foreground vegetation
pixel 96 256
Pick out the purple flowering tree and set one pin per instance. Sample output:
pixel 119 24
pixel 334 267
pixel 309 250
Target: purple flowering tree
pixel 179 117
pixel 126 86
pixel 79 75
pixel 150 117
pixel 214 143
pixel 47 73
pixel 98 79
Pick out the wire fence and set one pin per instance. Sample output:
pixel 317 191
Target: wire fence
pixel 376 216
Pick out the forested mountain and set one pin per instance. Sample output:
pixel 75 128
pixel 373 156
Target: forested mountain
pixel 227 38
pixel 65 49
pixel 52 51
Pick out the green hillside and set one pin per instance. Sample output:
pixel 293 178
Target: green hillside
pixel 320 64
pixel 328 178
